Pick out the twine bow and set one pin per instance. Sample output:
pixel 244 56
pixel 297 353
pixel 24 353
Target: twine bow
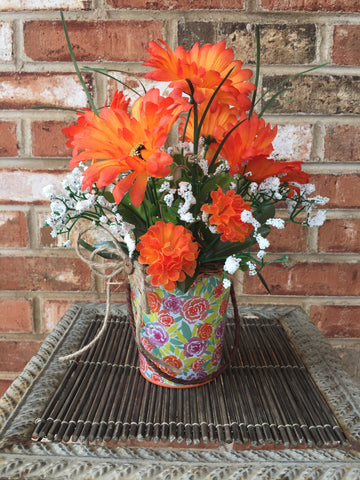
pixel 122 265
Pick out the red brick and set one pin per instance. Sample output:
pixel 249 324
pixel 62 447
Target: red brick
pixel 177 4
pixel 15 315
pixel 14 355
pixel 343 190
pixel 112 40
pixel 338 279
pixel 8 140
pixel 13 229
pixel 315 94
pixel 337 320
pixel 48 140
pixel 20 186
pixel 340 236
pixel 53 311
pixel 4 385
pixel 313 5
pixel 41 273
pixel 292 238
pixel 15 5
pixel 342 143
pixel 25 90
pixel 295 44
pixel 346 45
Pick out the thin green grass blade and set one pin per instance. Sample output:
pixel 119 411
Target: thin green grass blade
pixel 290 77
pixel 87 93
pixel 257 71
pixel 103 71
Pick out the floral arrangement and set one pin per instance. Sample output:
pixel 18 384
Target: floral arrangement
pixel 209 196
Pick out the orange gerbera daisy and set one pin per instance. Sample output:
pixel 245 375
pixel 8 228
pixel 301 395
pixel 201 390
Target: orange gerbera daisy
pixel 251 139
pixel 259 169
pixel 226 212
pixel 170 252
pixel 120 143
pixel 219 119
pixel 205 67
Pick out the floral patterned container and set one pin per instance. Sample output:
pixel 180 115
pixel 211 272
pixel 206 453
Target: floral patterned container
pixel 184 329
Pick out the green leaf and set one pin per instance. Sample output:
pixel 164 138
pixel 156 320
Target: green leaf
pixel 222 250
pixel 221 180
pixel 263 282
pixel 185 329
pixel 109 196
pixel 168 214
pixel 264 212
pixel 186 284
pixel 105 254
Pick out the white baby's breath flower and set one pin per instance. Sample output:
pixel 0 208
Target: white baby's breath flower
pixel 261 254
pixel 226 283
pixel 49 191
pixel 205 217
pixel 247 217
pixel 253 187
pixel 262 242
pixel 67 244
pixel 290 204
pixel 275 222
pixel 306 189
pixel 58 207
pixel 103 219
pixel 252 268
pixel 319 200
pixel 213 229
pixel 318 219
pixel 186 217
pixel 203 164
pixel 231 264
pixel 164 187
pixel 169 199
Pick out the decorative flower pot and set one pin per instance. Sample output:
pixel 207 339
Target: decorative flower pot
pixel 184 330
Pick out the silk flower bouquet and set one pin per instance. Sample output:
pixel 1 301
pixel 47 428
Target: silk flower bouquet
pixel 174 209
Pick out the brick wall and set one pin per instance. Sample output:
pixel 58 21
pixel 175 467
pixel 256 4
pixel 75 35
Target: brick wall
pixel 39 279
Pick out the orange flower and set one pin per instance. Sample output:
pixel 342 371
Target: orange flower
pixel 261 168
pixel 251 139
pixel 120 143
pixel 205 67
pixel 226 215
pixel 219 119
pixel 154 301
pixel 204 331
pixel 174 362
pixel 170 252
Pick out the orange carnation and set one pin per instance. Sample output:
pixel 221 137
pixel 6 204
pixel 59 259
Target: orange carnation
pixel 170 252
pixel 226 215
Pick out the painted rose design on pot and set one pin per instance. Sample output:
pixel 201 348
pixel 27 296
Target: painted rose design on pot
pixel 194 347
pixel 195 309
pixel 172 304
pixel 156 334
